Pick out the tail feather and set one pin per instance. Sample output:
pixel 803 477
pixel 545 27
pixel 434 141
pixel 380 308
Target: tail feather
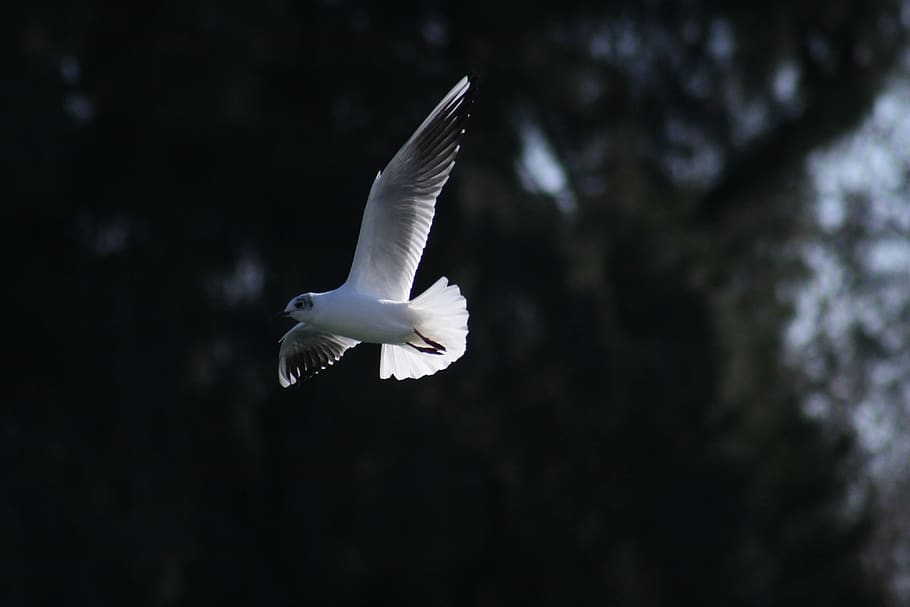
pixel 443 318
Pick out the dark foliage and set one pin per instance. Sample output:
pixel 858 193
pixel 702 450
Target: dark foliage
pixel 621 430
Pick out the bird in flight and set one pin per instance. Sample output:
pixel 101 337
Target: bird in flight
pixel 419 336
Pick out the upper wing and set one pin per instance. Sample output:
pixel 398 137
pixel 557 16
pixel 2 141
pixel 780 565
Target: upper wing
pixel 305 352
pixel 402 201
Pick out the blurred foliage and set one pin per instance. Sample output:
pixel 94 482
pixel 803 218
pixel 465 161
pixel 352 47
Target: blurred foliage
pixel 622 429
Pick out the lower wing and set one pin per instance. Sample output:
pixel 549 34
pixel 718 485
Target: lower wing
pixel 304 352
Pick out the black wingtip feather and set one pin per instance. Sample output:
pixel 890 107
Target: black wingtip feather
pixel 439 141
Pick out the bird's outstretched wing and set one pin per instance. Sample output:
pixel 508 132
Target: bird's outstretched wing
pixel 402 201
pixel 305 352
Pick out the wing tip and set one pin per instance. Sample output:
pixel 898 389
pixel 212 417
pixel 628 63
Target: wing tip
pixel 285 381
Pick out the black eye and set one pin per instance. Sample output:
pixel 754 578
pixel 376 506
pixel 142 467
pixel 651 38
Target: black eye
pixel 298 304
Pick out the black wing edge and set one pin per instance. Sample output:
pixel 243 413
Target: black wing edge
pixel 438 141
pixel 305 362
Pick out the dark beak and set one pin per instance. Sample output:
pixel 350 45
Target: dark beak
pixel 281 315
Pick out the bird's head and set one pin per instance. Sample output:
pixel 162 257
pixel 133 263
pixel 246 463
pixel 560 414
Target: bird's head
pixel 299 308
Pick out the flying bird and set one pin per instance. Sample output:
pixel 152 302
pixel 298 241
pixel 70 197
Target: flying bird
pixel 419 336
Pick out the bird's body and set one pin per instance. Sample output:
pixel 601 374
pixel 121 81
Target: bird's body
pixel 419 336
pixel 363 317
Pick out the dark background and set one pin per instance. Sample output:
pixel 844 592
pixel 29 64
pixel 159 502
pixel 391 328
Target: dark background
pixel 622 429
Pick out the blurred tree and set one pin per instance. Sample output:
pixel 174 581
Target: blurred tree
pixel 622 429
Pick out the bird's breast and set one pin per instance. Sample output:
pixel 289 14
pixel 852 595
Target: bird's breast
pixel 365 318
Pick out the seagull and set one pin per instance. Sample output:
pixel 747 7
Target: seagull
pixel 419 336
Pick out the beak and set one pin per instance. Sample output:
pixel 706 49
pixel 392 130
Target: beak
pixel 281 315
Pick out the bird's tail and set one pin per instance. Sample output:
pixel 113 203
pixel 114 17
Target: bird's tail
pixel 439 338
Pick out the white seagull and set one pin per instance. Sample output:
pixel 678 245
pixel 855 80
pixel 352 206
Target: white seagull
pixel 419 336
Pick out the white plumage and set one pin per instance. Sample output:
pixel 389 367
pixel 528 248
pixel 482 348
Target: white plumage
pixel 419 336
